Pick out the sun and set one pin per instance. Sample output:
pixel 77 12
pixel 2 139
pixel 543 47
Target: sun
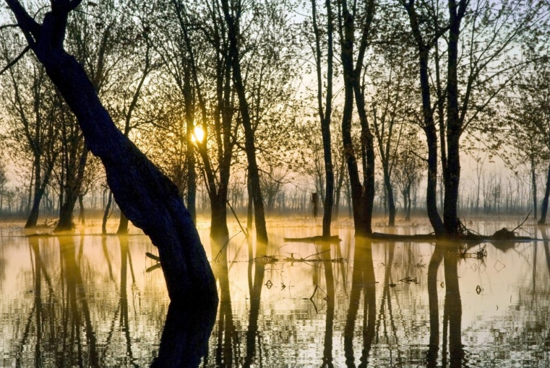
pixel 198 134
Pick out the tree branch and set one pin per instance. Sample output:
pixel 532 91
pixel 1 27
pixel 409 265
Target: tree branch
pixel 14 61
pixel 28 25
pixel 4 26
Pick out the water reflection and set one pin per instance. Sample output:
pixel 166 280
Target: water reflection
pixel 226 339
pixel 89 301
pixel 363 280
pixel 329 321
pixel 185 336
pixel 255 298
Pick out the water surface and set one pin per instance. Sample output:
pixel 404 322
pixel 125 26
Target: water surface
pixel 98 301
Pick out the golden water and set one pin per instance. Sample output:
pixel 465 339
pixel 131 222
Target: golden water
pixel 93 301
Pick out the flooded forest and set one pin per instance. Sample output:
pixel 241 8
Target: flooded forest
pixel 275 183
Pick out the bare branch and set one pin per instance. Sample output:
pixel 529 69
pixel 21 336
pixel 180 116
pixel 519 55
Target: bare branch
pixel 4 26
pixel 14 61
pixel 28 25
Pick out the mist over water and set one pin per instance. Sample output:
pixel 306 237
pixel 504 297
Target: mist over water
pixel 92 300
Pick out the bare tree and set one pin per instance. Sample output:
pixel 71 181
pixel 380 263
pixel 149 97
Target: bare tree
pixel 147 197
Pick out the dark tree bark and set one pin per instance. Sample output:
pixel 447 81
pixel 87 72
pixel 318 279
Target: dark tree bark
pixel 149 199
pixel 325 115
pixel 147 69
pixel 451 168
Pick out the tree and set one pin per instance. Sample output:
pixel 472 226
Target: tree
pixel 527 105
pixel 31 114
pixel 409 169
pixel 148 198
pixel 479 41
pixel 232 18
pixel 424 44
pixel 391 100
pixel 325 114
pixel 3 182
pixel 362 193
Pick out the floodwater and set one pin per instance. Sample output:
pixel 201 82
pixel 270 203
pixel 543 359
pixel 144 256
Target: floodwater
pixel 98 301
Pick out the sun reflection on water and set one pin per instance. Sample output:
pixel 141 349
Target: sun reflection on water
pixel 94 300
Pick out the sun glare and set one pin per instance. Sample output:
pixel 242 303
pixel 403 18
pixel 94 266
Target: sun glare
pixel 198 134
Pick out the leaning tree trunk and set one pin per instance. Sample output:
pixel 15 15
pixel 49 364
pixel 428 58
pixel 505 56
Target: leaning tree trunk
pixel 149 199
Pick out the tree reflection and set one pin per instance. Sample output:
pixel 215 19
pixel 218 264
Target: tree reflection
pixel 452 349
pixel 185 336
pixel 255 296
pixel 433 302
pixel 329 322
pixel 363 280
pixel 125 260
pixel 226 329
pixel 75 312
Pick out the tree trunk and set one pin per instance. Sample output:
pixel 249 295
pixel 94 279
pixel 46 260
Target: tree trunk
pixel 122 224
pixel 428 122
pixel 250 146
pixel 149 199
pixel 451 169
pixel 249 208
pixel 71 196
pixel 32 220
pixel 357 203
pixel 219 231
pixel 325 116
pixel 190 154
pixel 81 213
pixel 106 213
pixel 534 185
pixel 544 206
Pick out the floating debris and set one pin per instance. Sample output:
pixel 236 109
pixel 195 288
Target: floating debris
pixel 409 280
pixel 480 254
